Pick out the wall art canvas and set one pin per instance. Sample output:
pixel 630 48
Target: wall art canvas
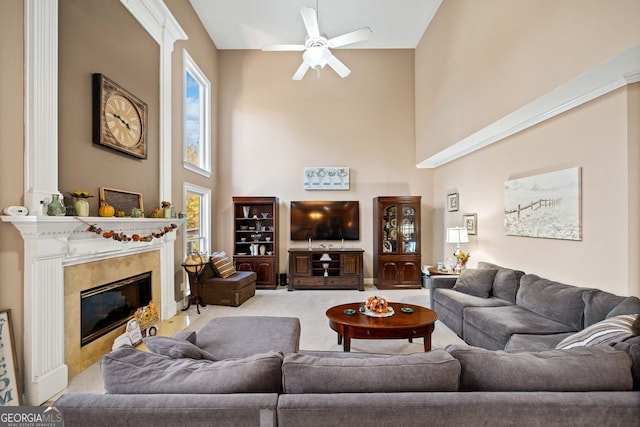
pixel 9 379
pixel 546 205
pixel 326 178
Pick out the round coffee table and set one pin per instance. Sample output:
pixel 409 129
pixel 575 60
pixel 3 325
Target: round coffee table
pixel 401 325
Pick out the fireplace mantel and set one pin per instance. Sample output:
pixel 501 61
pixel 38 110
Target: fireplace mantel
pixel 52 243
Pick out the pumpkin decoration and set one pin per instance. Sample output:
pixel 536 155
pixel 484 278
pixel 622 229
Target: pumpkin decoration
pixel 106 210
pixel 156 213
pixel 120 213
pixel 377 304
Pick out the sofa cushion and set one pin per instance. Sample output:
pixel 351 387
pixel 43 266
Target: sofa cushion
pixel 597 304
pixel 176 348
pixel 458 301
pixel 242 336
pixel 556 301
pixel 222 265
pixel 577 370
pixel 130 371
pixel 502 322
pixel 633 350
pixel 530 342
pixel 418 372
pixel 506 284
pixel 186 335
pixel 629 305
pixel 476 281
pixel 608 331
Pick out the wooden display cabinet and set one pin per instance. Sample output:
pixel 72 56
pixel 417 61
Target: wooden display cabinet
pixel 320 268
pixel 396 242
pixel 255 232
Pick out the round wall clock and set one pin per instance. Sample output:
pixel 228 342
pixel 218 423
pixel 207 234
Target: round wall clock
pixel 120 118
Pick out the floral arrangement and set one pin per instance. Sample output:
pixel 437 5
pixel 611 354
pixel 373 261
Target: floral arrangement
pixel 147 315
pixel 462 257
pixel 166 204
pixel 81 194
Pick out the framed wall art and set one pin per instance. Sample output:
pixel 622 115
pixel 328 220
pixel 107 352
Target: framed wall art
pixel 547 205
pixel 470 223
pixel 11 394
pixel 452 202
pixel 121 200
pixel 326 178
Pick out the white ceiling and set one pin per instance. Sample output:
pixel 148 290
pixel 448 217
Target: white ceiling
pixel 250 24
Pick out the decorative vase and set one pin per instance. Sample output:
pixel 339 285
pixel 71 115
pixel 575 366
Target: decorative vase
pixel 245 211
pixel 168 212
pixel 56 208
pixel 82 206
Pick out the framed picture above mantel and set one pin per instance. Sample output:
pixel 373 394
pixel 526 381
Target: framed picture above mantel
pixel 326 178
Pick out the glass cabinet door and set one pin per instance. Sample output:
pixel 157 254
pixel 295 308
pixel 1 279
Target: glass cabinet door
pixel 389 226
pixel 407 230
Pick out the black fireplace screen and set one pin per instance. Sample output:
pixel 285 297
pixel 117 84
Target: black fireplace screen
pixel 106 307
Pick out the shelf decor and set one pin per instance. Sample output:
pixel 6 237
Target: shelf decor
pixel 326 178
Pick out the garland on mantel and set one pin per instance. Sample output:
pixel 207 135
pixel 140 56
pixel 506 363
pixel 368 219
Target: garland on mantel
pixel 122 237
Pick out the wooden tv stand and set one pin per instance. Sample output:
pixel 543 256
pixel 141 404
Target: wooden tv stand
pixel 344 270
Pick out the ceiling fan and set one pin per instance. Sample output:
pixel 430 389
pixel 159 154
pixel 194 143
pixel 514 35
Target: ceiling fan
pixel 317 47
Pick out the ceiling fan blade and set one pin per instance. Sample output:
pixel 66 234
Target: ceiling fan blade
pixel 352 37
pixel 302 70
pixel 338 67
pixel 283 47
pixel 310 22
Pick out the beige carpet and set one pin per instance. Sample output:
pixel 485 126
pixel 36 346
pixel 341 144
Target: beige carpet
pixel 309 307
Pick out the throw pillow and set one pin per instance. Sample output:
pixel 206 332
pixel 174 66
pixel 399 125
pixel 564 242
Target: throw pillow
pixel 176 348
pixel 222 265
pixel 418 372
pixel 477 282
pixel 131 371
pixel 576 370
pixel 610 330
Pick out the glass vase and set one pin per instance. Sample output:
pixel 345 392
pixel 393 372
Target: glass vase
pixel 82 206
pixel 56 208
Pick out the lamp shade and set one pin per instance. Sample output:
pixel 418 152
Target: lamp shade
pixel 457 235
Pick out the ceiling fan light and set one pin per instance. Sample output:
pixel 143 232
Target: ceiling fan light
pixel 317 56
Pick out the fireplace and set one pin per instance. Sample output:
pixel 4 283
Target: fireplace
pixel 105 308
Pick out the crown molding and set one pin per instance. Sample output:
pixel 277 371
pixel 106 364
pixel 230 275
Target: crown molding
pixel 622 70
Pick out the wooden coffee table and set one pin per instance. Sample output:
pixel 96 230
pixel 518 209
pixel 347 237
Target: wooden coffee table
pixel 401 325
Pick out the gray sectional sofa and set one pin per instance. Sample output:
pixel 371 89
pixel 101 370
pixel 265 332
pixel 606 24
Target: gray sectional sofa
pixel 249 371
pixel 505 309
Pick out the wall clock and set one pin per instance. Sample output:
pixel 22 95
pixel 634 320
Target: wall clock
pixel 119 118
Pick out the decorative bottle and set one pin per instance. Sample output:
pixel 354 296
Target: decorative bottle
pixel 56 208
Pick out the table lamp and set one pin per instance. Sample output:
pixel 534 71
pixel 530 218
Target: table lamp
pixel 457 235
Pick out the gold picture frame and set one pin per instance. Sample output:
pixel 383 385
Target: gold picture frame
pixel 11 392
pixel 121 200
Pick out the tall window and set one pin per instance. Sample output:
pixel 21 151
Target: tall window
pixel 197 118
pixel 197 201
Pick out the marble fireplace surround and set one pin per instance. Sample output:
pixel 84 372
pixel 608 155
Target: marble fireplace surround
pixel 55 247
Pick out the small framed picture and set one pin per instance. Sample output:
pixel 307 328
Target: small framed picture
pixel 470 223
pixel 12 396
pixel 452 202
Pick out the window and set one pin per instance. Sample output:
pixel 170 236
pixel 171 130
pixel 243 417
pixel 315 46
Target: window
pixel 197 118
pixel 197 202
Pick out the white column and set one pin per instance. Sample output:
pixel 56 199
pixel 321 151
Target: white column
pixel 169 306
pixel 45 372
pixel 41 102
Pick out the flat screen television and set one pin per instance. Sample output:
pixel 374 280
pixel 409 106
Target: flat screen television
pixel 325 220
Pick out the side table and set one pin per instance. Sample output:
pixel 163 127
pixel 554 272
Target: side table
pixel 194 284
pixel 433 271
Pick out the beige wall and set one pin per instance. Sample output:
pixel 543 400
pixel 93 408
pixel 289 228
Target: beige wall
pixel 480 60
pixel 11 160
pixel 498 57
pixel 271 127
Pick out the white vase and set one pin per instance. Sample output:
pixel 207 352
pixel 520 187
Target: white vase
pixel 263 249
pixel 245 211
pixel 82 206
